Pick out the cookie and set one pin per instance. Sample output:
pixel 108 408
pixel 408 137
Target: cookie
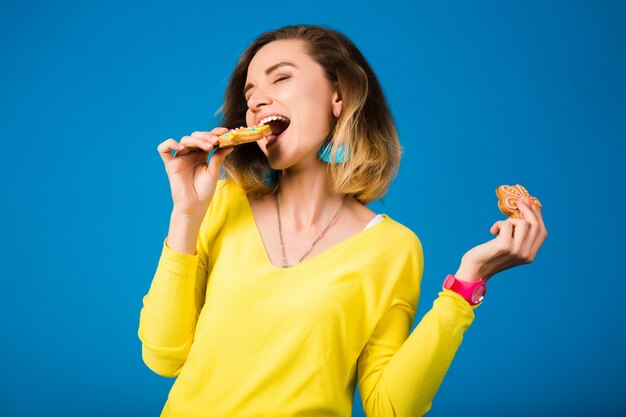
pixel 243 135
pixel 507 199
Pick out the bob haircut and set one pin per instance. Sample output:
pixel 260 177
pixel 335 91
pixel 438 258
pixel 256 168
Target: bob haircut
pixel 365 126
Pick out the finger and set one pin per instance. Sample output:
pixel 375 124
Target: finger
pixel 541 236
pixel 527 240
pixel 536 244
pixel 543 232
pixel 220 130
pixel 538 214
pixel 532 241
pixel 192 143
pixel 495 229
pixel 527 212
pixel 203 138
pixel 211 137
pixel 217 132
pixel 165 149
pixel 504 230
pixel 515 222
pixel 207 138
pixel 521 245
pixel 536 234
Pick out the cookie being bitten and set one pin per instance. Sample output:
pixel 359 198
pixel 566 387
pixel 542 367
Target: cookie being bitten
pixel 244 135
pixel 507 199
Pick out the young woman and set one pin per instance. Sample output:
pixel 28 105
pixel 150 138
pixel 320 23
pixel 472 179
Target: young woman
pixel 277 288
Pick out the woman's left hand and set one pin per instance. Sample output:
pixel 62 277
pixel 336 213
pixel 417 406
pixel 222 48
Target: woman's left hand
pixel 516 243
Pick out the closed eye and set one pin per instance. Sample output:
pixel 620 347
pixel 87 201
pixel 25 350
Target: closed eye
pixel 286 77
pixel 281 79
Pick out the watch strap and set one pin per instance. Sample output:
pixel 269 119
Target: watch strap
pixel 472 292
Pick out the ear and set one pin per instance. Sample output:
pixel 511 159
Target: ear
pixel 337 104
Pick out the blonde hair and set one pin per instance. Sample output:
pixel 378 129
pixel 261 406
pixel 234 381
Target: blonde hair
pixel 365 126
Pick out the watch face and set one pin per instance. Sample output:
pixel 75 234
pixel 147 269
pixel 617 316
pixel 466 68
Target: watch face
pixel 479 293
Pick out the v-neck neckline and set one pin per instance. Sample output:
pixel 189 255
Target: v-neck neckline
pixel 318 256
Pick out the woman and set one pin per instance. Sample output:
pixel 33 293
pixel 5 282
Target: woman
pixel 277 288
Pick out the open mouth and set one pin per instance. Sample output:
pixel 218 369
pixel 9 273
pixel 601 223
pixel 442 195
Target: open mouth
pixel 278 124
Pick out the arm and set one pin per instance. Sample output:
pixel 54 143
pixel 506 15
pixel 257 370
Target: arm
pixel 400 372
pixel 400 376
pixel 176 296
pixel 170 310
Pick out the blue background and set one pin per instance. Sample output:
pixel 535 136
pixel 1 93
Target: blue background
pixel 484 93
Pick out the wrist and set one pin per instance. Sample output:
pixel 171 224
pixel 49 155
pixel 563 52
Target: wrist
pixel 468 273
pixel 473 291
pixel 189 217
pixel 183 233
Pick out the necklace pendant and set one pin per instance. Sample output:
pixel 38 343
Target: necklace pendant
pixel 280 230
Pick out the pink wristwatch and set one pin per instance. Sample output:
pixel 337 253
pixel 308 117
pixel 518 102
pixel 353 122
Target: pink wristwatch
pixel 473 292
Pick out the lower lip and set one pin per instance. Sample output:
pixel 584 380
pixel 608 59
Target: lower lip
pixel 275 138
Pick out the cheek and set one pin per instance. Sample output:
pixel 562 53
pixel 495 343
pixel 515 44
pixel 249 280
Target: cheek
pixel 317 113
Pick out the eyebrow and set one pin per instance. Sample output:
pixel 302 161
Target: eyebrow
pixel 268 71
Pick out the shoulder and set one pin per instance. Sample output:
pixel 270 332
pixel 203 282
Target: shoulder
pixel 227 185
pixel 402 247
pixel 226 192
pixel 227 198
pixel 399 260
pixel 393 249
pixel 225 210
pixel 399 235
pixel 393 231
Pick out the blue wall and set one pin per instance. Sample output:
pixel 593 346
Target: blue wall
pixel 484 93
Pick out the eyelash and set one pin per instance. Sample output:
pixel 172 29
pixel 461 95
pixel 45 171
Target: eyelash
pixel 281 79
pixel 277 80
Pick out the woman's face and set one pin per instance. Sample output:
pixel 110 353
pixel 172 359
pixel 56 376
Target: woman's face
pixel 284 80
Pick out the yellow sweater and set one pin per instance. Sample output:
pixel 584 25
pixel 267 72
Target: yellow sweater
pixel 246 338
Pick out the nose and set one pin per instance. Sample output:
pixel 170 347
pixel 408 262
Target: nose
pixel 258 99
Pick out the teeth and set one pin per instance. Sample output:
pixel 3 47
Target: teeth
pixel 272 118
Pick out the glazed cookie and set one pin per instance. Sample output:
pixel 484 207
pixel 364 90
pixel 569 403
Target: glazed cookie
pixel 244 135
pixel 507 199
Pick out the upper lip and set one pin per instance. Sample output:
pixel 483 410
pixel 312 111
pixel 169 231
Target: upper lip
pixel 264 115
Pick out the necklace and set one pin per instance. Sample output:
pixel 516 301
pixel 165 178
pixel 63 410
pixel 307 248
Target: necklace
pixel 280 231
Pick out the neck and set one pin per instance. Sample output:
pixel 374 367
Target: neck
pixel 306 199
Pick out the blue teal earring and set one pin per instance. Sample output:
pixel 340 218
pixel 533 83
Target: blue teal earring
pixel 270 177
pixel 341 155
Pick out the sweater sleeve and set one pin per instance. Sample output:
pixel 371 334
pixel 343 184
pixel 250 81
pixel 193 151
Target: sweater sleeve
pixel 170 310
pixel 171 307
pixel 400 372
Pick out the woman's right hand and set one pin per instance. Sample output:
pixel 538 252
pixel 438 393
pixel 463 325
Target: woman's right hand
pixel 192 179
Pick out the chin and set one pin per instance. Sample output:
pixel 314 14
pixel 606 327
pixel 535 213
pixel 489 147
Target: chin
pixel 277 164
